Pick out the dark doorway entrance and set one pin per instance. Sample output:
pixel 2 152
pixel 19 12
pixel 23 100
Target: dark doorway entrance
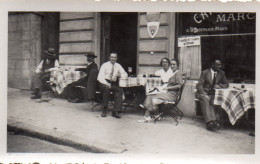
pixel 119 34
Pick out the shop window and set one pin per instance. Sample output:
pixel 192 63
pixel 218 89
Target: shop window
pixel 190 61
pixel 237 54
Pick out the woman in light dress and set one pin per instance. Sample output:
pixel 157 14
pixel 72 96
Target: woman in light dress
pixel 171 92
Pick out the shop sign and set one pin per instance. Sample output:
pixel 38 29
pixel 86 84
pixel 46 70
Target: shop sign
pixel 223 17
pixel 153 23
pixel 189 41
pixel 207 23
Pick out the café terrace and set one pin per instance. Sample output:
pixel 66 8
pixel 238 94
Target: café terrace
pixel 192 38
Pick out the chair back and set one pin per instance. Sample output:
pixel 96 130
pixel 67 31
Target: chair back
pixel 92 83
pixel 180 91
pixel 194 86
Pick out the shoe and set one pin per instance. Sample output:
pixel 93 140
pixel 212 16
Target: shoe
pixel 35 96
pixel 141 106
pixel 211 126
pixel 252 134
pixel 104 112
pixel 158 117
pixel 116 115
pixel 145 120
pixel 217 125
pixel 77 100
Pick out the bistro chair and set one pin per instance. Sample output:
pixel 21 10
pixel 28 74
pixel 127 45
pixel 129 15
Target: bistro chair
pixel 197 111
pixel 170 107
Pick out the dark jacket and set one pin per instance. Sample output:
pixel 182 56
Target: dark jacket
pixel 84 80
pixel 205 84
pixel 90 81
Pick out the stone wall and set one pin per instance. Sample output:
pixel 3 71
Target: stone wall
pixel 24 49
pixel 152 50
pixel 79 34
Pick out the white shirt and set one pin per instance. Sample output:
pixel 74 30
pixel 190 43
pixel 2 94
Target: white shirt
pixel 212 73
pixel 105 72
pixel 165 76
pixel 39 67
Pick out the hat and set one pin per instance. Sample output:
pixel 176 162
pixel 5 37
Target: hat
pixel 91 54
pixel 50 52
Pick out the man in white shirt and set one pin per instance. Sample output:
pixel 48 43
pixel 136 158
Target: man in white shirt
pixel 108 78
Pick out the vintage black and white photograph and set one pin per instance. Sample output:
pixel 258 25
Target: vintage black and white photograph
pixel 131 82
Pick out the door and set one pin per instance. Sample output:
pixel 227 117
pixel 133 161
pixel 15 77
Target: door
pixel 119 34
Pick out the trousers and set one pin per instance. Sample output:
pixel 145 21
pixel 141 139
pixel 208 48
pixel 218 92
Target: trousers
pixel 208 108
pixel 118 94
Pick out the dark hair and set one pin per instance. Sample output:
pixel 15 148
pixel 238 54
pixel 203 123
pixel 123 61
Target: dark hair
pixel 175 61
pixel 213 61
pixel 113 53
pixel 168 60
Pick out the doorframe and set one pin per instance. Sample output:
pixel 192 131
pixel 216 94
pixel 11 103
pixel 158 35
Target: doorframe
pixel 101 49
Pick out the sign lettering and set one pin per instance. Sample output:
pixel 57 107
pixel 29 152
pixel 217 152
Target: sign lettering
pixel 189 41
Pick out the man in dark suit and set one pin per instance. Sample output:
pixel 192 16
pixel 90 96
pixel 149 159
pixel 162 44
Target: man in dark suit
pixel 74 92
pixel 210 79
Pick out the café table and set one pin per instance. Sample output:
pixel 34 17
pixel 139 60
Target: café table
pixel 137 88
pixel 132 82
pixel 59 79
pixel 148 82
pixel 235 101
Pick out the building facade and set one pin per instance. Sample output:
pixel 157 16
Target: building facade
pixel 192 38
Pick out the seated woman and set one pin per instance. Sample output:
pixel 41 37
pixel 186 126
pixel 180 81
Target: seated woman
pixel 166 72
pixel 173 86
pixel 43 72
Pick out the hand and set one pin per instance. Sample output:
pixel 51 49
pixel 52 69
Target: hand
pixel 114 79
pixel 216 86
pixel 47 70
pixel 108 85
pixel 206 96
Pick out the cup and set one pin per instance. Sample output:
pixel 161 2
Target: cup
pixel 242 85
pixel 130 69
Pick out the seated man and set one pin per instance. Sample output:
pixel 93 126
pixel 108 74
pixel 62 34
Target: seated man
pixel 74 93
pixel 108 77
pixel 210 79
pixel 43 71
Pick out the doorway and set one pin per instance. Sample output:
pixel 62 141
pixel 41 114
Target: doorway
pixel 119 34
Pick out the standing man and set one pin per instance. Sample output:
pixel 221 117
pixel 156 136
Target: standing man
pixel 75 94
pixel 108 78
pixel 210 79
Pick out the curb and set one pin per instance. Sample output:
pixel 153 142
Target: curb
pixel 62 139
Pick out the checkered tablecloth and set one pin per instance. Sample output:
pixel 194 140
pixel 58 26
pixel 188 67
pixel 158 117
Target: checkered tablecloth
pixel 152 82
pixel 132 81
pixel 235 102
pixel 149 83
pixel 61 78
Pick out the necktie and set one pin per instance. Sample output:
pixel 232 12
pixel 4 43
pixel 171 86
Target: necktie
pixel 214 79
pixel 112 71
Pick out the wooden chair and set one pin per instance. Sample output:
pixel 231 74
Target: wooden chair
pixel 171 106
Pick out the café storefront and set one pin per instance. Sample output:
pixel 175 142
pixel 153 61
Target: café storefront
pixel 203 37
pixel 229 37
pixel 192 38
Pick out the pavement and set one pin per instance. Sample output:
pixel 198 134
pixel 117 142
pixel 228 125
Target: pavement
pixel 75 125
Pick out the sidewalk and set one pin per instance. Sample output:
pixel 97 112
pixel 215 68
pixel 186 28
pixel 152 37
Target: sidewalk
pixel 77 126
